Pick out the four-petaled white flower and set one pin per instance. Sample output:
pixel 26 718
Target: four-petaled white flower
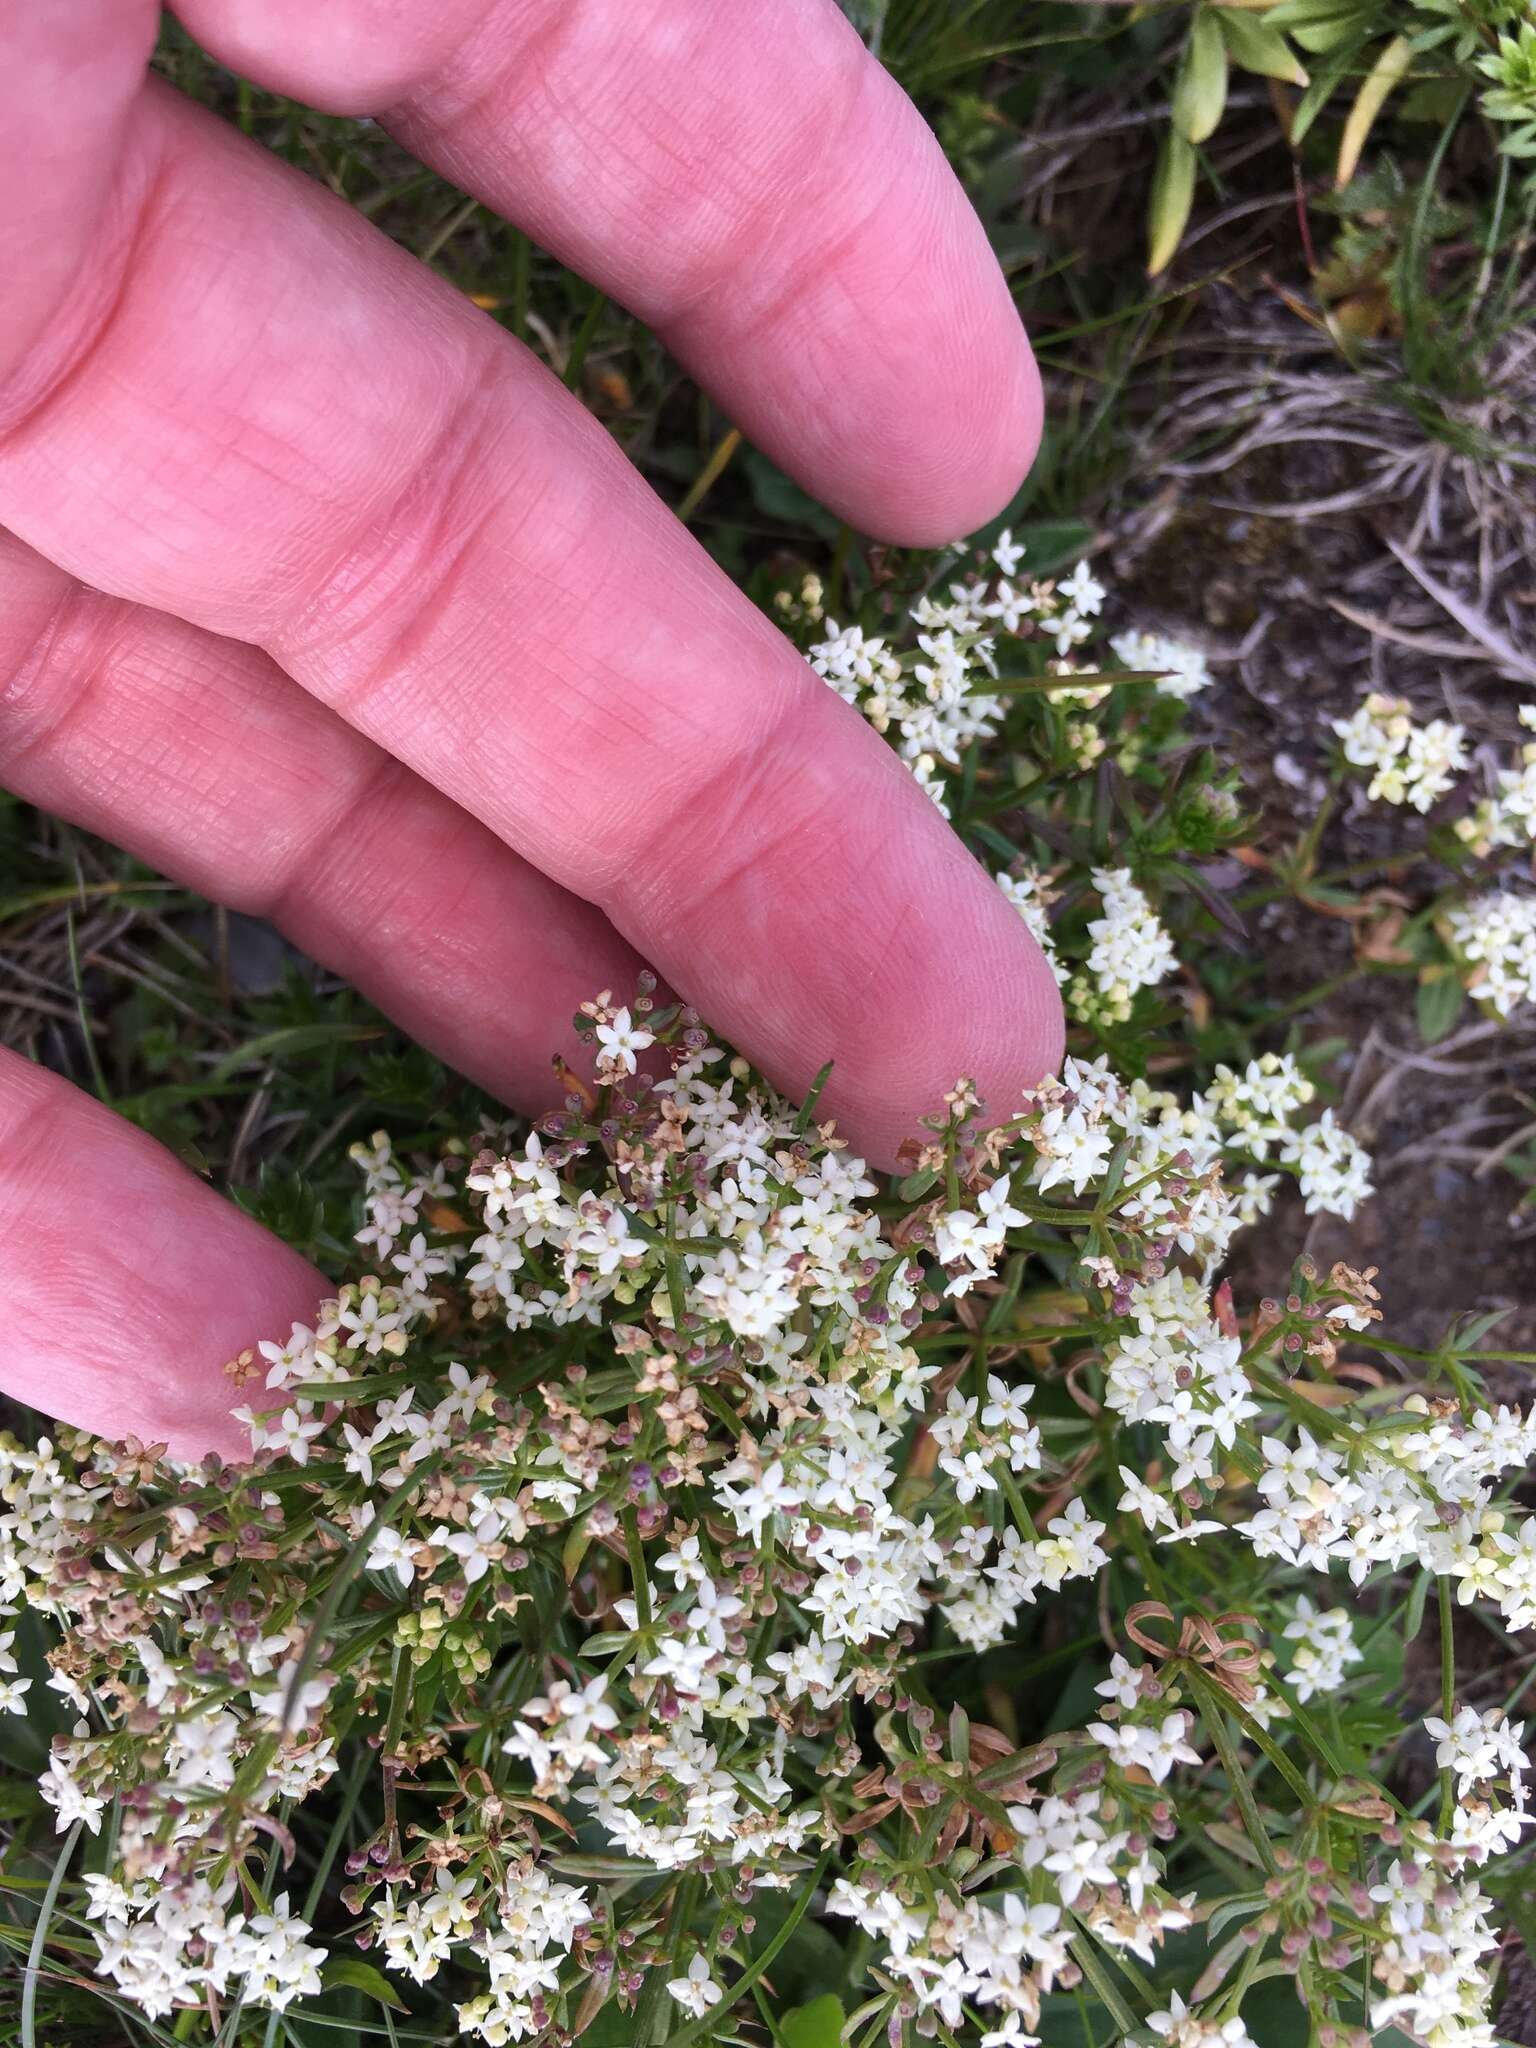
pixel 621 1038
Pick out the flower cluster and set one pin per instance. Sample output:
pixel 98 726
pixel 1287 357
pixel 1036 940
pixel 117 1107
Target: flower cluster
pixel 1508 817
pixel 677 1539
pixel 1494 935
pixel 1411 763
pixel 1490 933
pixel 1131 950
pixel 935 699
pixel 1483 1753
pixel 1325 1648
pixel 620 1501
pixel 1181 670
pixel 168 1948
pixel 1434 1935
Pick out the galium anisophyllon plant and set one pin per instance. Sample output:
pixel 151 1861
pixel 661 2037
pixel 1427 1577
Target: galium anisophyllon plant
pixel 611 1518
pixel 1487 924
pixel 649 1559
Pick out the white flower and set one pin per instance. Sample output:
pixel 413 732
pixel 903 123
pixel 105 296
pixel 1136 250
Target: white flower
pixel 1007 552
pixel 1140 1499
pixel 811 1666
pixel 1496 934
pixel 391 1552
pixel 1333 1168
pixel 292 1361
pixel 1131 950
pixel 293 1431
pixel 1325 1648
pixel 1413 764
pixel 698 1991
pixel 1181 2028
pixel 293 1703
pixel 751 1507
pixel 621 1038
pixel 1124 1682
pixel 1182 670
pixel 70 1801
pixel 477 1548
pixel 1082 591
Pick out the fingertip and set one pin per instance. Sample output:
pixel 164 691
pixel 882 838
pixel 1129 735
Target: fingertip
pixel 354 58
pixel 877 352
pixel 129 1283
pixel 983 1007
pixel 960 460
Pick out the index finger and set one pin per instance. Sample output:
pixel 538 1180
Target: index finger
pixel 282 428
pixel 744 176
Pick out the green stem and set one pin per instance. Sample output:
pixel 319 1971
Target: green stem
pixel 576 361
pixel 1214 1719
pixel 710 474
pixel 696 2029
pixel 1109 1996
pixel 522 256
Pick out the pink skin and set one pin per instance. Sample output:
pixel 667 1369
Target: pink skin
pixel 100 1224
pixel 140 726
pixel 502 727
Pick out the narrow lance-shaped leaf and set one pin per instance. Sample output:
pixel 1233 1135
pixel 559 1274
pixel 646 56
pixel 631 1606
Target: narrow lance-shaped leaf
pixel 1173 192
pixel 1200 91
pixel 1388 71
pixel 1257 47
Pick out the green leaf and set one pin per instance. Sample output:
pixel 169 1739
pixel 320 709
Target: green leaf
pixel 1200 91
pixel 1322 25
pixel 1257 47
pixel 813 1096
pixel 1326 78
pixel 1470 1331
pixel 293 1038
pixel 1173 193
pixel 1052 544
pixel 351 1973
pixel 1439 1003
pixel 1388 71
pixel 784 502
pixel 817 2025
pixel 577 1543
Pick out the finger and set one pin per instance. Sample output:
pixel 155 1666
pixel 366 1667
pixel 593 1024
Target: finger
pixel 200 756
pixel 284 430
pixel 746 178
pixel 128 1282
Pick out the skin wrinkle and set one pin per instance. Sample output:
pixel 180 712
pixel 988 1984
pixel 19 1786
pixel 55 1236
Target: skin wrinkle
pixel 509 161
pixel 420 897
pixel 697 266
pixel 399 544
pixel 340 835
pixel 430 97
pixel 220 489
pixel 115 190
pixel 129 766
pixel 711 696
pixel 718 833
pixel 745 293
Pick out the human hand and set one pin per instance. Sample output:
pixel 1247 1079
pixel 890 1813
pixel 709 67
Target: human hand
pixel 320 593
